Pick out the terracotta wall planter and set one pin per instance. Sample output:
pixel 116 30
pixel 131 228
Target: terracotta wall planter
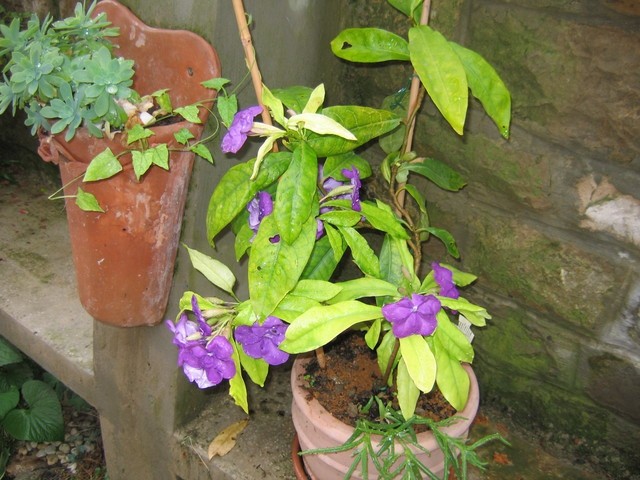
pixel 124 257
pixel 317 428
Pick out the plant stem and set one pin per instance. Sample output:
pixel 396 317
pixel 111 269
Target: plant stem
pixel 321 358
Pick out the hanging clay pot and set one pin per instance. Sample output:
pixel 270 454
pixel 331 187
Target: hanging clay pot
pixel 317 428
pixel 124 257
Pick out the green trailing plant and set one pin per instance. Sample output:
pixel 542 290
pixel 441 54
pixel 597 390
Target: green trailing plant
pixel 29 408
pixel 297 214
pixel 64 76
pixel 393 456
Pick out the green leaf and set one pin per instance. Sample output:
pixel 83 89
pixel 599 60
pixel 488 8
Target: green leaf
pixel 296 194
pixel 227 108
pixel 202 151
pixel 292 306
pixel 237 387
pixel 9 400
pixel 87 201
pixel 319 290
pixel 439 173
pixel 41 420
pixel 104 165
pixel 373 333
pixel 274 105
pixel 160 156
pixel 394 255
pixel 408 7
pixel 364 287
pixel 420 200
pixel 441 73
pixel 141 161
pixel 214 270
pixel 363 254
pixel 138 132
pixel 369 45
pixel 275 267
pixel 256 368
pixel 408 393
pixel 420 362
pixel 363 122
pixel 316 99
pixel 318 326
pixel 183 136
pixel 452 339
pixel 324 258
pixel 215 83
pixel 294 98
pixel 383 220
pixel 334 165
pixel 320 124
pixel 341 218
pixel 487 86
pixel 8 353
pixel 447 239
pixel 189 113
pixel 235 190
pixel 452 379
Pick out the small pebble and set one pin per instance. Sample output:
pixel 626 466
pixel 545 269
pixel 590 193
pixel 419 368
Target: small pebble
pixel 52 459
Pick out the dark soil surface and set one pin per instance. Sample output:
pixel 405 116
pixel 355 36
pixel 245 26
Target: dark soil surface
pixel 352 376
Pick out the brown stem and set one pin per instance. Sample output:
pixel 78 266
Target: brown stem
pixel 321 358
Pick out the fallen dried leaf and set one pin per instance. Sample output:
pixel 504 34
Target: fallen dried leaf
pixel 226 439
pixel 501 458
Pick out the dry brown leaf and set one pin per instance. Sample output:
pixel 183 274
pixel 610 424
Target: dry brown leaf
pixel 226 439
pixel 501 458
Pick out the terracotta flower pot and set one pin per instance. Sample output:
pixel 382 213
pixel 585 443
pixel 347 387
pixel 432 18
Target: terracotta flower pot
pixel 124 257
pixel 317 428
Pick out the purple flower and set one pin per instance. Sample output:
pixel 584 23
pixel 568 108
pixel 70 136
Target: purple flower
pixel 204 360
pixel 208 363
pixel 354 175
pixel 412 316
pixel 259 207
pixel 261 341
pixel 240 127
pixel 444 278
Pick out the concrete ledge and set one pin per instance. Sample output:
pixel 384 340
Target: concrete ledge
pixel 39 309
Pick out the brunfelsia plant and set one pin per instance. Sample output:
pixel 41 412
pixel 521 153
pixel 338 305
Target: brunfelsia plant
pixel 295 212
pixel 64 76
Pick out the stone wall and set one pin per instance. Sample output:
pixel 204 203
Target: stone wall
pixel 550 219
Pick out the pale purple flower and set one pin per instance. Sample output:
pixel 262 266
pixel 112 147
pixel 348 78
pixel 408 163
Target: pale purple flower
pixel 444 278
pixel 262 341
pixel 208 364
pixel 204 360
pixel 259 207
pixel 239 129
pixel 412 316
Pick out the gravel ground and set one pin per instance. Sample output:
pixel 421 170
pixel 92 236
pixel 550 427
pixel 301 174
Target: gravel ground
pixel 78 457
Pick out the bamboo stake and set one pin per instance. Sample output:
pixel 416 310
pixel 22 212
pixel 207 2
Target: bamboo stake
pixel 250 56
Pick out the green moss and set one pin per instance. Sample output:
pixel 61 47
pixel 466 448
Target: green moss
pixel 548 275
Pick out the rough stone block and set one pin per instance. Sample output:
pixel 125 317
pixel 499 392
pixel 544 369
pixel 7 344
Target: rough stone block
pixel 569 81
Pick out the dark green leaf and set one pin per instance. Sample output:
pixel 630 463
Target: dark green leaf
pixel 439 173
pixel 363 254
pixel 227 108
pixel 42 420
pixel 324 258
pixel 8 353
pixel 447 239
pixel 334 165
